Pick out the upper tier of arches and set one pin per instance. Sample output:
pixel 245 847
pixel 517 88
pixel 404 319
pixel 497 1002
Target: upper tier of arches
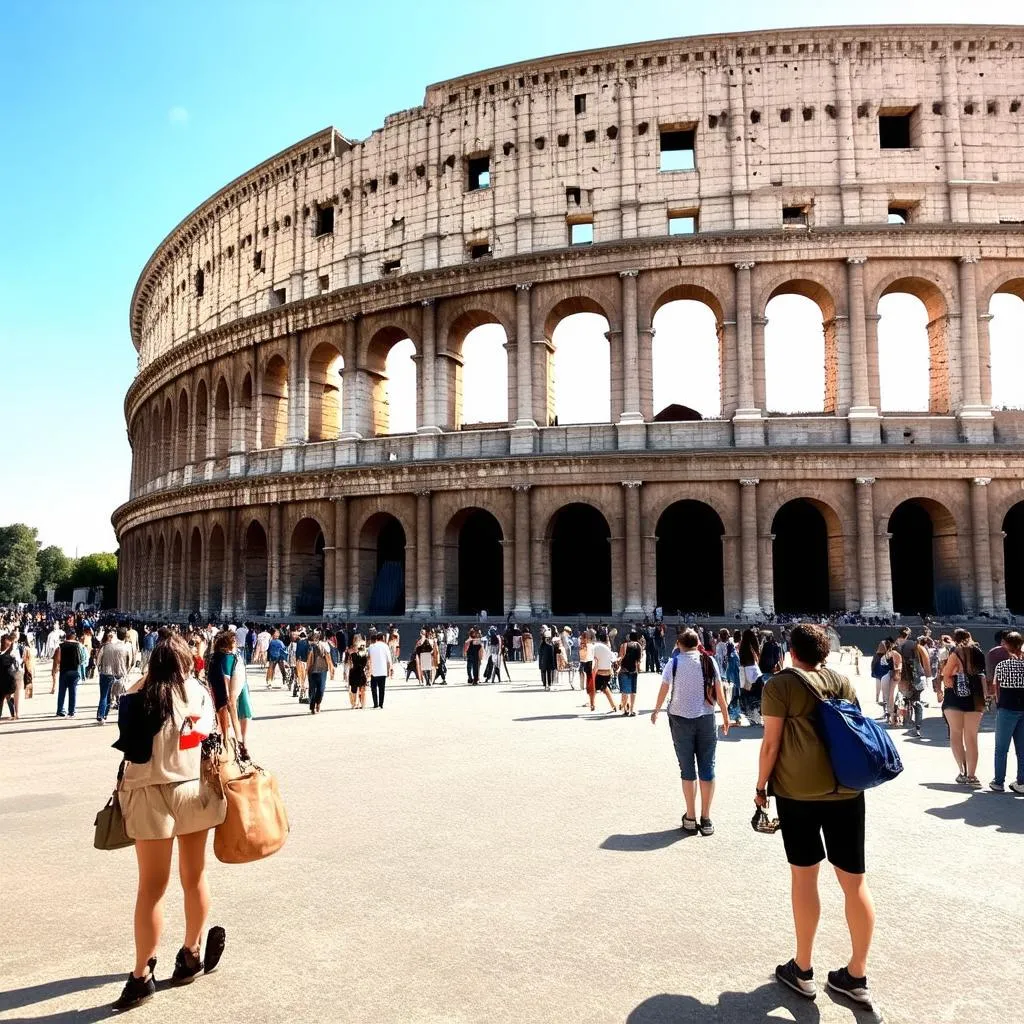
pixel 791 130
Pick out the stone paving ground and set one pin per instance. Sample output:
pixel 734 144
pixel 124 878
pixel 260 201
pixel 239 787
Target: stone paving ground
pixel 501 855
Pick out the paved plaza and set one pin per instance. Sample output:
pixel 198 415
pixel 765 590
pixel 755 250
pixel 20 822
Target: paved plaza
pixel 500 854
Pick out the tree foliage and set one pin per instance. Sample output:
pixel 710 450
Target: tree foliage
pixel 54 569
pixel 19 571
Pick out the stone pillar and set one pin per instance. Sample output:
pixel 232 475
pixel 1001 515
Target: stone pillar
pixel 997 548
pixel 538 599
pixel 630 350
pixel 866 561
pixel 646 374
pixel 985 357
pixel 521 499
pixel 975 418
pixel 865 426
pixel 423 540
pixel 336 578
pixel 649 572
pixel 298 393
pixel 204 566
pixel 524 353
pixel 766 572
pixel 727 363
pixel 757 326
pixel 352 554
pixel 952 140
pixel 627 167
pixel 634 569
pixel 749 580
pixel 883 569
pixel 275 556
pixel 737 138
pixel 427 390
pixel 748 427
pixel 981 545
pixel 232 587
pixel 849 189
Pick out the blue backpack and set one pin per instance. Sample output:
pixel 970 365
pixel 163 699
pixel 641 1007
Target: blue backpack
pixel 861 752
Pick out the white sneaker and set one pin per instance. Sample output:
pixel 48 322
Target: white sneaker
pixel 755 718
pixel 1017 787
pixel 743 721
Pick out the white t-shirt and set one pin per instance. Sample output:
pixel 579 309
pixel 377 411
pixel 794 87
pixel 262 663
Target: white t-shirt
pixel 380 658
pixel 683 670
pixel 601 655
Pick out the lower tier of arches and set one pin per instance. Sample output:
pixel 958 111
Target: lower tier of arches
pixel 742 545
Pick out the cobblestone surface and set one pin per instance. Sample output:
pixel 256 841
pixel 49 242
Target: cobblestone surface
pixel 500 854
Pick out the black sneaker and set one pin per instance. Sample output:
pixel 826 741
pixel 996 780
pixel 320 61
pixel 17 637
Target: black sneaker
pixel 853 988
pixel 186 966
pixel 137 991
pixel 801 982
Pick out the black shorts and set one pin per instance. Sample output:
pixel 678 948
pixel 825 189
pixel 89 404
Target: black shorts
pixel 602 682
pixel 355 685
pixel 953 702
pixel 586 667
pixel 803 822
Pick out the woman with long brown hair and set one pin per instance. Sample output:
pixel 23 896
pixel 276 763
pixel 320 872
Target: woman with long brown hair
pixel 162 722
pixel 963 703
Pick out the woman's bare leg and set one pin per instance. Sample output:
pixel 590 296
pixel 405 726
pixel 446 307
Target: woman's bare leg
pixel 972 723
pixel 955 721
pixel 196 889
pixel 154 858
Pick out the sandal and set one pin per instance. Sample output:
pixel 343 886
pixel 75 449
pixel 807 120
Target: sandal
pixel 689 824
pixel 973 781
pixel 706 827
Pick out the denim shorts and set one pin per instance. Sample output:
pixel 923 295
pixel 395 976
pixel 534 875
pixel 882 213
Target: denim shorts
pixel 694 740
pixel 627 682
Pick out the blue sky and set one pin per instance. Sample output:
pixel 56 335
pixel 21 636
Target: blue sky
pixel 119 118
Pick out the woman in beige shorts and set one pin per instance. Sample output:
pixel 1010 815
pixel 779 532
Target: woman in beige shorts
pixel 163 797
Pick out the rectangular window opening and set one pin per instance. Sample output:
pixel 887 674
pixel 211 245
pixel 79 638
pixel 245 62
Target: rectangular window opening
pixel 278 297
pixel 200 284
pixel 324 282
pixel 898 215
pixel 257 260
pixel 794 216
pixel 581 232
pixel 678 149
pixel 324 220
pixel 479 172
pixel 391 266
pixel 580 103
pixel 479 250
pixel 895 129
pixel 682 222
pixel 573 195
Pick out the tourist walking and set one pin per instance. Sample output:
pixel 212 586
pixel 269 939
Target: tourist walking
pixel 66 672
pixel 750 655
pixel 691 682
pixel 318 667
pixel 963 703
pixel 225 676
pixel 277 659
pixel 163 797
pixel 603 660
pixel 630 654
pixel 472 651
pixel 547 658
pixel 1009 686
pixel 794 766
pixel 114 663
pixel 380 665
pixel 587 664
pixel 358 672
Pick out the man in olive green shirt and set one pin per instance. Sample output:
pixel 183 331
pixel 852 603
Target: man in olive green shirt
pixel 812 805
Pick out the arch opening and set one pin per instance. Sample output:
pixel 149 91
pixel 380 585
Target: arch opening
pixel 482 392
pixel 796 371
pixel 1013 558
pixel 913 354
pixel 326 383
pixel 202 427
pixel 193 578
pixel 382 565
pixel 306 568
pixel 181 440
pixel 167 439
pixel 807 555
pixel 688 559
pixel 581 561
pixel 1006 347
pixel 923 559
pixel 176 570
pixel 474 564
pixel 248 416
pixel 274 403
pixel 686 359
pixel 580 376
pixel 217 562
pixel 392 367
pixel 221 420
pixel 255 567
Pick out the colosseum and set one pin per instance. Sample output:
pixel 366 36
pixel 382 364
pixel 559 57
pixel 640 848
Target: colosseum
pixel 839 165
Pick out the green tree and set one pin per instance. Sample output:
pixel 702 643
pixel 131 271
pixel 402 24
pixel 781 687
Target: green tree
pixel 96 570
pixel 18 569
pixel 54 569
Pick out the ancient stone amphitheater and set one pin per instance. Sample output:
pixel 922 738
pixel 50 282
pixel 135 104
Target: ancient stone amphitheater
pixel 842 165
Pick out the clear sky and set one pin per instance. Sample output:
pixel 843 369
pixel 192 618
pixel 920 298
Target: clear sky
pixel 120 117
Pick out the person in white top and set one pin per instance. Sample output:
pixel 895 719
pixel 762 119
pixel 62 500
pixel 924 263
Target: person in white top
pixel 259 656
pixel 380 666
pixel 603 659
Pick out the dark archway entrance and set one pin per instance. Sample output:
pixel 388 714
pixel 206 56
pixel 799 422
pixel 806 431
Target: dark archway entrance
pixel 581 562
pixel 382 565
pixel 254 557
pixel 1013 555
pixel 475 568
pixel 689 559
pixel 800 559
pixel 307 568
pixel 923 559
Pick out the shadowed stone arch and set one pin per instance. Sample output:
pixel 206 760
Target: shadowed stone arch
pixel 808 557
pixel 183 430
pixel 201 418
pixel 689 558
pixel 325 373
pixel 924 558
pixel 579 554
pixel 274 398
pixel 474 563
pixel 307 541
pixel 217 566
pixel 383 560
pixel 255 558
pixel 375 351
pixel 220 422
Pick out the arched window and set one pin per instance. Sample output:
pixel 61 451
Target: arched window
pixel 485 375
pixel 581 563
pixel 215 597
pixel 474 564
pixel 202 430
pixel 903 363
pixel 274 403
pixel 325 392
pixel 255 565
pixel 582 369
pixel 382 565
pixel 923 559
pixel 794 355
pixel 221 420
pixel 306 568
pixel 686 359
pixel 688 559
pixel 1006 347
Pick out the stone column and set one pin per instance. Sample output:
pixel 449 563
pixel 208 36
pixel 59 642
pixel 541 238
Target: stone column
pixel 423 539
pixel 352 558
pixel 981 545
pixel 866 562
pixel 538 599
pixel 627 167
pixel 849 189
pixel 997 548
pixel 204 566
pixel 232 586
pixel 649 572
pixel 727 362
pixel 524 353
pixel 757 326
pixel 883 569
pixel 275 555
pixel 647 374
pixel 953 147
pixel 335 570
pixel 748 427
pixel 975 418
pixel 521 500
pixel 749 581
pixel 985 357
pixel 427 384
pixel 865 427
pixel 630 350
pixel 631 526
pixel 766 572
pixel 298 393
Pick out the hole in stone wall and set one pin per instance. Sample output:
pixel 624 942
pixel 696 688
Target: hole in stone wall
pixel 641 128
pixel 612 132
pixel 862 110
pixel 324 220
pixel 563 140
pixel 590 135
pixel 391 266
pixel 478 170
pixel 808 113
pixel 785 114
pixel 539 142
pixel 580 103
pixel 507 148
pixel 755 117
pixel 393 178
pixel 830 110
pixel 420 171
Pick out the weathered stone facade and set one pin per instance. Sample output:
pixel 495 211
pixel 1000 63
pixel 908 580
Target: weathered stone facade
pixel 258 418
